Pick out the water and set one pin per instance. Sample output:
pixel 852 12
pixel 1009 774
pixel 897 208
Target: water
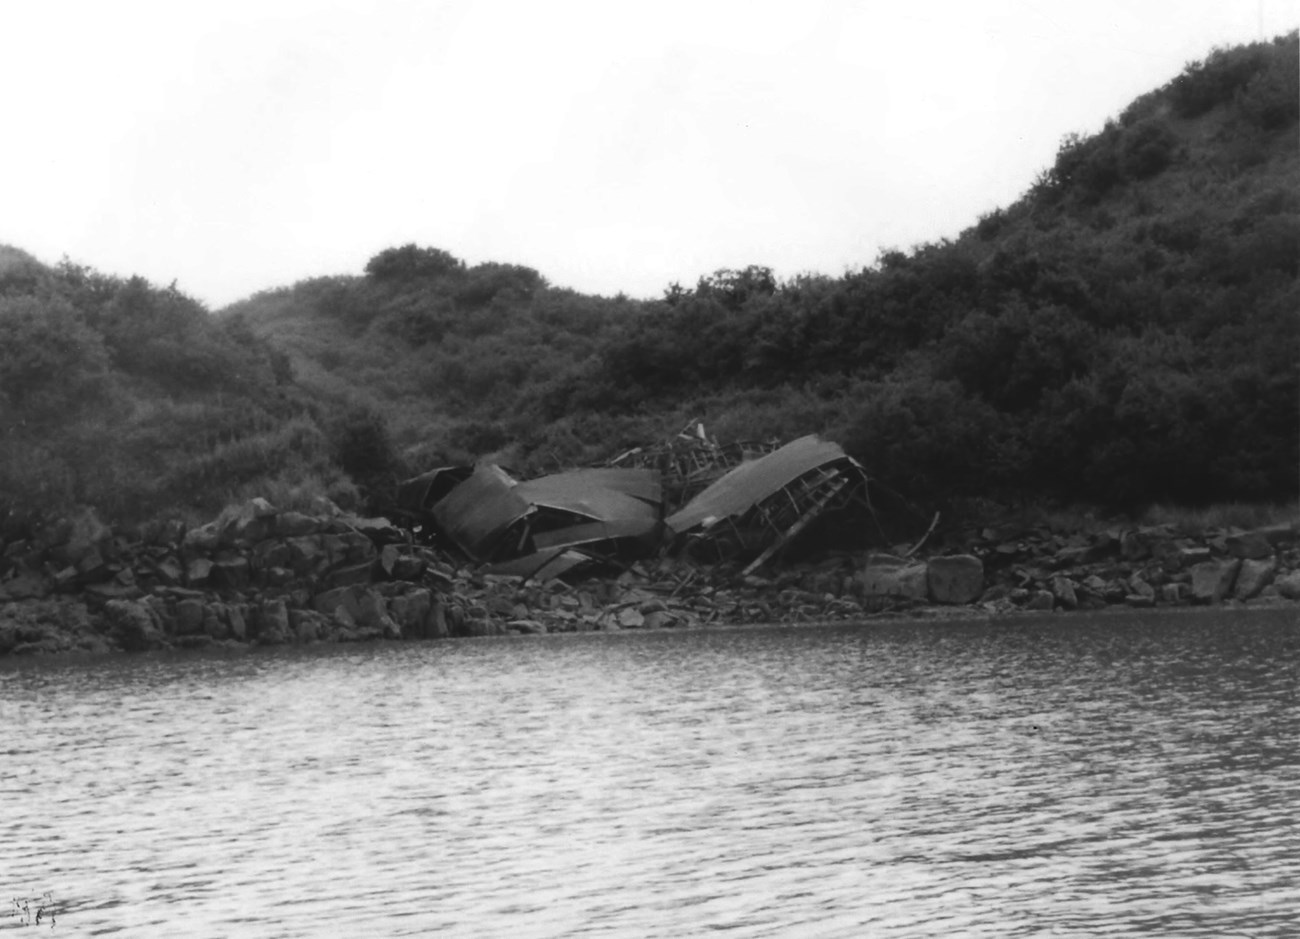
pixel 1106 776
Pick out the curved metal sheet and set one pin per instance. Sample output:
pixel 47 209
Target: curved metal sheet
pixel 753 481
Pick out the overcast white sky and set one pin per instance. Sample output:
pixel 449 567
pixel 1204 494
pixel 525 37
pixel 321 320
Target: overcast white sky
pixel 235 146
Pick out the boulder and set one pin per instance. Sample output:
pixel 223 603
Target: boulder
pixel 189 617
pixel 131 622
pixel 295 525
pixel 631 618
pixel 1288 586
pixel 236 621
pixel 888 576
pixel 1139 587
pixel 198 572
pixel 272 619
pixel 1251 545
pixel 1253 577
pixel 230 571
pixel 1064 592
pixel 958 578
pixel 1212 580
pixel 373 615
pixel 216 623
pixel 307 625
pixel 1041 600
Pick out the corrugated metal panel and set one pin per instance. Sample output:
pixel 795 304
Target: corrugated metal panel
pixel 480 509
pixel 570 490
pixel 596 531
pixel 753 481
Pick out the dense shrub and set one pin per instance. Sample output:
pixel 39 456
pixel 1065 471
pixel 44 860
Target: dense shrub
pixel 410 262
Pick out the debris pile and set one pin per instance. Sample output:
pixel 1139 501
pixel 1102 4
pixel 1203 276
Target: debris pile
pixel 747 503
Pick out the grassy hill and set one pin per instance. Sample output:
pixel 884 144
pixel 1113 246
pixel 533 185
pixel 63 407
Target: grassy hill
pixel 1125 333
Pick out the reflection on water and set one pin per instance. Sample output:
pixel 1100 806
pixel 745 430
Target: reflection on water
pixel 1067 776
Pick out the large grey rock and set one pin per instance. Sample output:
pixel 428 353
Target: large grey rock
pixel 1289 585
pixel 958 578
pixel 230 571
pixel 1041 600
pixel 887 576
pixel 373 615
pixel 189 617
pixel 295 524
pixel 135 627
pixel 1064 592
pixel 1252 545
pixel 1213 580
pixel 272 619
pixel 1253 577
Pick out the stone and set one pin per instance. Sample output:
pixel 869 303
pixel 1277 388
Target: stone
pixel 306 624
pixel 302 554
pixel 202 539
pixel 272 619
pixel 1063 591
pixel 198 572
pixel 1212 580
pixel 1041 600
pixel 885 576
pixel 237 615
pixel 408 567
pixel 1173 593
pixel 1140 600
pixel 214 622
pixel 1138 586
pixel 295 525
pixel 135 628
pixel 1253 577
pixel 1251 545
pixel 1185 556
pixel 168 570
pixel 631 618
pixel 349 576
pixel 659 619
pixel 231 572
pixel 189 617
pixel 388 557
pixel 1288 586
pixel 957 578
pixel 270 554
pixel 373 615
pixel 411 612
pixel 1134 546
pixel 25 585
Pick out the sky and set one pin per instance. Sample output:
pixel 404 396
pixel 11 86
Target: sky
pixel 239 146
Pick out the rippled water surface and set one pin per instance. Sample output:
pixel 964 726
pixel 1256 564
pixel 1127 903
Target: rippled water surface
pixel 1111 776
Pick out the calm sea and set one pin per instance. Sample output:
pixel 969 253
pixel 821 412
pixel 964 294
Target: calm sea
pixel 1115 775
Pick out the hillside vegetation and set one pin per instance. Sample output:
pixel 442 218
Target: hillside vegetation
pixel 1123 334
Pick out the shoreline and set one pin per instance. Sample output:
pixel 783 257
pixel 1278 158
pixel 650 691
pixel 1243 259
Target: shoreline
pixel 257 577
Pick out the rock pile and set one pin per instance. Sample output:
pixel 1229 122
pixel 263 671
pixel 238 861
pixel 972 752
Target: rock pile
pixel 1001 570
pixel 257 575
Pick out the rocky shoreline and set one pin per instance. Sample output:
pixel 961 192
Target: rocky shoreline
pixel 257 576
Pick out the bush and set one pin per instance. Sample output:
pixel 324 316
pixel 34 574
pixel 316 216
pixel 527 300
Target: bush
pixel 410 262
pixel 1147 149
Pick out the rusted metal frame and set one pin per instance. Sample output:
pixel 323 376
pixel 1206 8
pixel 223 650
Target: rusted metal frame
pixel 800 524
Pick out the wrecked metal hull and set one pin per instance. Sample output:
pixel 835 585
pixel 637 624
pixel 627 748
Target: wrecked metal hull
pixel 527 527
pixel 763 504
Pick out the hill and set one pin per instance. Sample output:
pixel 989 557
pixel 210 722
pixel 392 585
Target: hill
pixel 1124 333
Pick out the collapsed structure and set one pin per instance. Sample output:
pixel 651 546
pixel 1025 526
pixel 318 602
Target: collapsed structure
pixel 739 503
